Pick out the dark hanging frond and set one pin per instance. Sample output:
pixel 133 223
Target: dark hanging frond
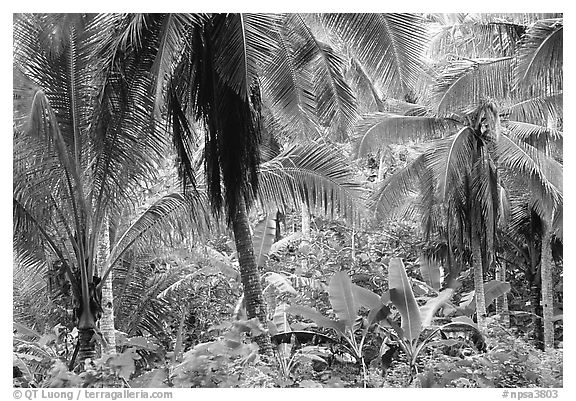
pixel 183 139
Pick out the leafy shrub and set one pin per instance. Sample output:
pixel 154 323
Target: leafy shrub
pixel 510 361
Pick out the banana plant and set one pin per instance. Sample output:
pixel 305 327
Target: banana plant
pixel 287 343
pixel 416 330
pixel 346 299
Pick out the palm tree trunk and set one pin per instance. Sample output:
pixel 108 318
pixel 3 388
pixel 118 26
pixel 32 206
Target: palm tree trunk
pixel 479 283
pixel 107 321
pixel 255 306
pixel 502 302
pixel 546 281
pixel 305 238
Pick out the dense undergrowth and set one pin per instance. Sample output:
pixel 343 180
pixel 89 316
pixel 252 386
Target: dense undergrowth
pixel 206 340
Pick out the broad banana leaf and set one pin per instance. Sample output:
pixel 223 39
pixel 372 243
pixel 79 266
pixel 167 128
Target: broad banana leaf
pixel 280 319
pixel 343 299
pixel 402 297
pixel 264 234
pixel 365 297
pixel 492 290
pixel 317 317
pixel 431 272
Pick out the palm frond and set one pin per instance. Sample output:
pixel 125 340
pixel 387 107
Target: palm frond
pixel 173 212
pixel 398 188
pixel 172 41
pixel 537 110
pixel 243 43
pixel 465 84
pixel 535 135
pixel 335 101
pixel 288 89
pixel 367 93
pixel 316 175
pixel 390 46
pixel 381 129
pixel 476 38
pixel 543 173
pixel 539 67
pixel 451 159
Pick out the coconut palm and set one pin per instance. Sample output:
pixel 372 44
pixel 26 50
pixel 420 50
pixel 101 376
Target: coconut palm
pixel 219 69
pixel 83 143
pixel 458 176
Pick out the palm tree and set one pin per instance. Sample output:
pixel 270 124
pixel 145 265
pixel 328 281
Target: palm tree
pixel 83 142
pixel 219 69
pixel 458 176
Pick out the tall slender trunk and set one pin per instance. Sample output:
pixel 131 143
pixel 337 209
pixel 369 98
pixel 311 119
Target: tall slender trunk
pixel 107 321
pixel 546 281
pixel 250 277
pixel 534 283
pixel 479 283
pixel 502 302
pixel 305 244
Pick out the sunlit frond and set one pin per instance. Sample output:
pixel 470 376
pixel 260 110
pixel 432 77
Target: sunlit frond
pixel 543 173
pixel 539 67
pixel 316 175
pixel 390 46
pixel 535 135
pixel 537 110
pixel 396 189
pixel 465 84
pixel 374 131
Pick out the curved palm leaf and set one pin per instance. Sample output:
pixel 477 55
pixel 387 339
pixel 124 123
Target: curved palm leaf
pixel 380 129
pixel 335 101
pixel 543 173
pixel 539 67
pixel 398 187
pixel 243 43
pixel 535 135
pixel 171 212
pixel 537 110
pixel 390 46
pixel 316 175
pixel 465 84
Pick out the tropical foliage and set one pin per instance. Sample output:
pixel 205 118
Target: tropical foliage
pixel 284 200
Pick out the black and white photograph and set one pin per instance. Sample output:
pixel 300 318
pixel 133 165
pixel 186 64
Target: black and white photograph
pixel 354 200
